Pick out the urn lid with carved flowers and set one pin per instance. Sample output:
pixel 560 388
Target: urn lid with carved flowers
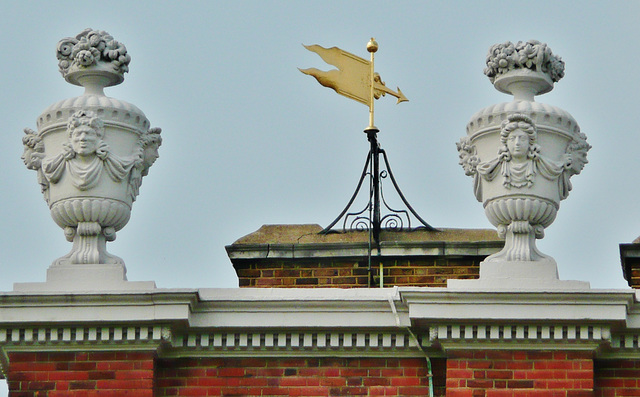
pixel 92 54
pixel 94 60
pixel 524 70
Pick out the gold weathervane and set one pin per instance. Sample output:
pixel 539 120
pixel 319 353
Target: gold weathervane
pixel 355 77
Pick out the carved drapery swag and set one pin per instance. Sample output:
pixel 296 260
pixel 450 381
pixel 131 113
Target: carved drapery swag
pixel 85 174
pixel 523 174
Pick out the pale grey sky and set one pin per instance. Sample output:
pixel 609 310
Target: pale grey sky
pixel 249 140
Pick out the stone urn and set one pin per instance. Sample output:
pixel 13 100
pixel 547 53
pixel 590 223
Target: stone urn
pixel 92 151
pixel 522 154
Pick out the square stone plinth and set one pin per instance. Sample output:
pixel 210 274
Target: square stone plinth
pixel 85 277
pixel 518 275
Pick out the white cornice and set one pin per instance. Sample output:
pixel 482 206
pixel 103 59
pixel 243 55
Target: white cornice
pixel 272 322
pixel 103 307
pixel 395 343
pixel 209 308
pixel 594 306
pixel 340 308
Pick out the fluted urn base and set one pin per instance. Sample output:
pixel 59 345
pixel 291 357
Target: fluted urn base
pixel 89 246
pixel 520 221
pixel 89 223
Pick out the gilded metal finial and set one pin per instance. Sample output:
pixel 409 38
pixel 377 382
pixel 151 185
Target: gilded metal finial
pixel 372 45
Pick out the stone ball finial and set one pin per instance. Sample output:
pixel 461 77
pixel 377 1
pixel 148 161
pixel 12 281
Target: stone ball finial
pixel 93 55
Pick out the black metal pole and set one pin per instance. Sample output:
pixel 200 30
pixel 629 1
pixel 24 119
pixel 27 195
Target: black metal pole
pixel 374 152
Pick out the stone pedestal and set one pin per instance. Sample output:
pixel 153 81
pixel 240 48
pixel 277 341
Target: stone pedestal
pixel 520 276
pixel 88 277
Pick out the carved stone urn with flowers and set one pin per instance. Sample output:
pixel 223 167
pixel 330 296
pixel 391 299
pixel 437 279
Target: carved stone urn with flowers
pixel 522 154
pixel 92 151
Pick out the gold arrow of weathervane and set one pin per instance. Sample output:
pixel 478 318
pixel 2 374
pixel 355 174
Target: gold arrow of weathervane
pixel 380 88
pixel 354 77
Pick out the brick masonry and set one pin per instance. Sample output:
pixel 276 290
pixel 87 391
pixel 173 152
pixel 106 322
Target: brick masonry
pixel 614 378
pixel 520 374
pixel 494 373
pixel 298 377
pixel 323 273
pixel 81 374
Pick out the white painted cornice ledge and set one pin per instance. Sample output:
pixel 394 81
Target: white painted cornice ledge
pixel 321 307
pixel 259 321
pixel 434 305
pixel 229 308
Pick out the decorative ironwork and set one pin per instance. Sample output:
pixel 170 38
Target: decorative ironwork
pixel 356 79
pixel 370 217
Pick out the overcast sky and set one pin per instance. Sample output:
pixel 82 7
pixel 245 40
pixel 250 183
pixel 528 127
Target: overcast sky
pixel 249 140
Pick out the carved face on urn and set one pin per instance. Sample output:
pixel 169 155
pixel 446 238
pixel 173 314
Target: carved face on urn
pixel 150 155
pixel 518 136
pixel 151 141
pixel 518 144
pixel 84 140
pixel 85 131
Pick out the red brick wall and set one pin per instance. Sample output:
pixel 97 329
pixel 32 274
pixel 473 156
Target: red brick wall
pixel 297 377
pixel 518 373
pixel 468 374
pixel 617 378
pixel 81 374
pixel 416 272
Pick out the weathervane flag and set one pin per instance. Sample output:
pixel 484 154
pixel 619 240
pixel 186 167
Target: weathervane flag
pixel 351 79
pixel 353 76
